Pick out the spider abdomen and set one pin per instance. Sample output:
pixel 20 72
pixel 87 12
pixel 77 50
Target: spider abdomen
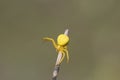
pixel 62 39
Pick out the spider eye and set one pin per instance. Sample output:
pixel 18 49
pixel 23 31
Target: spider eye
pixel 62 39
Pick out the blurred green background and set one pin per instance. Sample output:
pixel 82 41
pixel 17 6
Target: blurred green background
pixel 94 30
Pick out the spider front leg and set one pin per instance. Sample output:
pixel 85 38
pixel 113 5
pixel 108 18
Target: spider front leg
pixel 67 55
pixel 63 56
pixel 50 39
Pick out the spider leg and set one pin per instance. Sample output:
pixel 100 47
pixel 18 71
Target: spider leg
pixel 67 55
pixel 50 39
pixel 63 56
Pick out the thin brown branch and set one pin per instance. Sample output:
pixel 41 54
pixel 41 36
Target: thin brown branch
pixel 57 65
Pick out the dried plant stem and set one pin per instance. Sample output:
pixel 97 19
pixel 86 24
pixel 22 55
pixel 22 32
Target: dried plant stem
pixel 57 65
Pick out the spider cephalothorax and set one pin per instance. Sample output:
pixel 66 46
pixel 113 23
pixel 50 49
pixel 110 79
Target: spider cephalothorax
pixel 61 45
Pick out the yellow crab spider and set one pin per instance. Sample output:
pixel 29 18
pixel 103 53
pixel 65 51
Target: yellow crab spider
pixel 61 45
